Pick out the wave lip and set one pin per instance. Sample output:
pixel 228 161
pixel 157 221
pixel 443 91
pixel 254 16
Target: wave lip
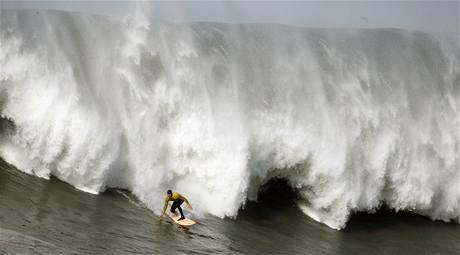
pixel 352 119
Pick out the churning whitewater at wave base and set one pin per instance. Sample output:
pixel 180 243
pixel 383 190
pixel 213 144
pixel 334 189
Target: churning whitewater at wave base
pixel 351 119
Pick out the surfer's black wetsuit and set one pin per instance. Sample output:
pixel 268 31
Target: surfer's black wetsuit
pixel 176 204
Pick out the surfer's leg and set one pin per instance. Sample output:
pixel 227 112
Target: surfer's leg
pixel 174 206
pixel 180 210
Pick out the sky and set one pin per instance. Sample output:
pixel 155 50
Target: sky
pixel 435 17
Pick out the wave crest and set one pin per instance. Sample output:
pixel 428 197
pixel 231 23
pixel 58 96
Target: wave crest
pixel 350 118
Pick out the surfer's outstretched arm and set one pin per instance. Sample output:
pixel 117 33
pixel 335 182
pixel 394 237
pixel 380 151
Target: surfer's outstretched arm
pixel 186 201
pixel 165 206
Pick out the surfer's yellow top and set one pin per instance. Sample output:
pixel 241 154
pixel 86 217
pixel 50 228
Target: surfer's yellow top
pixel 175 197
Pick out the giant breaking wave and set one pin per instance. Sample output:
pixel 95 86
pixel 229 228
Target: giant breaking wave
pixel 352 119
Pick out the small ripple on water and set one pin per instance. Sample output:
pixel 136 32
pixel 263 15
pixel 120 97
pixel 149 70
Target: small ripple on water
pixel 18 243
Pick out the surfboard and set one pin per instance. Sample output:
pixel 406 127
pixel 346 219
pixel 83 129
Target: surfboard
pixel 185 222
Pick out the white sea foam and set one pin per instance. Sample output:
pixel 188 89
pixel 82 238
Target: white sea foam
pixel 350 118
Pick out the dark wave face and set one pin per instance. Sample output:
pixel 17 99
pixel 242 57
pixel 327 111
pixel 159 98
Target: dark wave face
pixel 50 217
pixel 350 119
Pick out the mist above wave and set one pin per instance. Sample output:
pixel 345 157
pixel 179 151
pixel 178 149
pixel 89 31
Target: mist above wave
pixel 350 118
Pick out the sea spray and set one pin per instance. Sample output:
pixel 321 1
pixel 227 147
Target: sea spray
pixel 351 119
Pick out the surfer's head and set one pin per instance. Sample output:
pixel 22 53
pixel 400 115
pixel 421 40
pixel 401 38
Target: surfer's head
pixel 169 192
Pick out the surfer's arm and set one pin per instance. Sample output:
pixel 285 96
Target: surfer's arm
pixel 185 200
pixel 165 206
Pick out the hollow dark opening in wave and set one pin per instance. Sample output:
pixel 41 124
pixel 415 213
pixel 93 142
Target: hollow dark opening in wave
pixel 274 198
pixel 277 192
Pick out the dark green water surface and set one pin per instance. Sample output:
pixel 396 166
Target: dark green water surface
pixel 38 216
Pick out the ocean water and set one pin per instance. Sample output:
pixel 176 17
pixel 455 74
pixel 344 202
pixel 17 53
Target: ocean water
pixel 283 138
pixel 50 217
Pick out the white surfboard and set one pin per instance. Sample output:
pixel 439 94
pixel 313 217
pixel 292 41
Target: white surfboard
pixel 185 222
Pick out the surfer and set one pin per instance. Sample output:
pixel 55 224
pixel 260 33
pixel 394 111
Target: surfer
pixel 177 199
